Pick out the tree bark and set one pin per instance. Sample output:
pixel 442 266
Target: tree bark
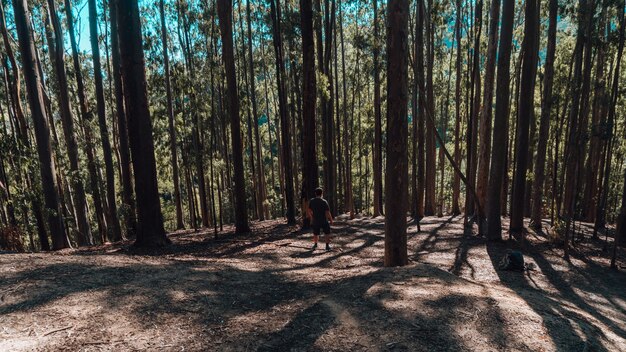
pixel 56 51
pixel 113 220
pixel 544 124
pixel 396 182
pixel 170 121
pixel 501 121
pixel 377 161
pixel 526 106
pixel 309 154
pixel 150 231
pixel 285 121
pixel 224 9
pixel 456 181
pixel 486 114
pixel 42 131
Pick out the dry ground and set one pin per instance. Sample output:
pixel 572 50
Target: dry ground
pixel 268 292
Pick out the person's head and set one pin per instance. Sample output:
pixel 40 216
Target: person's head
pixel 319 192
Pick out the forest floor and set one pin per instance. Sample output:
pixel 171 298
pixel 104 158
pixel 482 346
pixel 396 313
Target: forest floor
pixel 267 291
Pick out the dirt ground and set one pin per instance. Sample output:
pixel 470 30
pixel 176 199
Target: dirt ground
pixel 268 292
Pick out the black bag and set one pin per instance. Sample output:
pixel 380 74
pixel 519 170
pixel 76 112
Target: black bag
pixel 513 260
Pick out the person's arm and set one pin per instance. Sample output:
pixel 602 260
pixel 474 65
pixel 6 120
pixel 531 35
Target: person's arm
pixel 309 213
pixel 329 216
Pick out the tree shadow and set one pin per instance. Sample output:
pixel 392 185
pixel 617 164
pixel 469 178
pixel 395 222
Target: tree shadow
pixel 559 317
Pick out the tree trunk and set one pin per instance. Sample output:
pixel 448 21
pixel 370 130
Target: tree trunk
pixel 113 220
pixel 526 105
pixel 309 154
pixel 150 231
pixel 601 209
pixel 486 114
pixel 377 161
pixel 171 124
pixel 430 178
pixel 56 51
pixel 396 182
pixel 501 121
pixel 285 121
pixel 544 123
pixel 42 132
pixel 224 9
pixel 472 127
pixel 572 155
pixel 86 117
pixel 261 189
pixel 419 116
pixel 456 181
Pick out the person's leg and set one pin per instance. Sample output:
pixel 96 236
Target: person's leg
pixel 316 236
pixel 327 236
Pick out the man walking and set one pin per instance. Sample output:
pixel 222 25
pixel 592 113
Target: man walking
pixel 321 218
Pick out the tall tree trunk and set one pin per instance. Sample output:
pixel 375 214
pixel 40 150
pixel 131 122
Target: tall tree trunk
pixel 224 9
pixel 396 182
pixel 544 123
pixel 150 231
pixel 309 154
pixel 113 220
pixel 171 123
pixel 525 110
pixel 456 181
pixel 377 161
pixel 500 124
pixel 86 118
pixel 600 222
pixel 472 127
pixel 122 127
pixel 419 116
pixel 42 131
pixel 430 151
pixel 486 115
pixel 285 121
pixel 261 189
pixel 56 51
pixel 572 155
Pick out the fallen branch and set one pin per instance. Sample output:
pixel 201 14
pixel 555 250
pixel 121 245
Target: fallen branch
pixel 57 330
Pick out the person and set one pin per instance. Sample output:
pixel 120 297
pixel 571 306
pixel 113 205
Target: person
pixel 321 218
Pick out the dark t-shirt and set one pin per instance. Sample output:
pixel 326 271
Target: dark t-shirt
pixel 319 206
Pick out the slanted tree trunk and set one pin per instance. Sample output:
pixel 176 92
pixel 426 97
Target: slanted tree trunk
pixel 500 124
pixel 309 154
pixel 526 105
pixel 285 121
pixel 56 51
pixel 171 123
pixel 224 10
pixel 396 176
pixel 42 131
pixel 113 220
pixel 377 161
pixel 150 231
pixel 485 114
pixel 544 123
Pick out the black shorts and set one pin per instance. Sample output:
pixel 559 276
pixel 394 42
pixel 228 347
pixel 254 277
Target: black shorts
pixel 317 229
